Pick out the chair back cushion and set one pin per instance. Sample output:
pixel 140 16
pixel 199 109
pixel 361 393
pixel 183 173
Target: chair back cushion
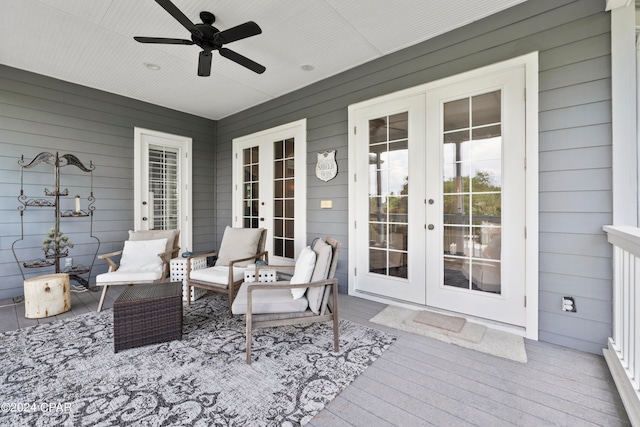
pixel 139 255
pixel 170 235
pixel 324 253
pixel 304 270
pixel 238 243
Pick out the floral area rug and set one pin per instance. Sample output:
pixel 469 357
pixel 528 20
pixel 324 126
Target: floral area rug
pixel 66 373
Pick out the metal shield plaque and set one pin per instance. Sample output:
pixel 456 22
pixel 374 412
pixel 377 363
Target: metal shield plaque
pixel 326 167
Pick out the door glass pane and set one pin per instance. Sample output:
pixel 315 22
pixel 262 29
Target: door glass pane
pixel 284 186
pixel 251 193
pixel 163 187
pixel 388 195
pixel 472 192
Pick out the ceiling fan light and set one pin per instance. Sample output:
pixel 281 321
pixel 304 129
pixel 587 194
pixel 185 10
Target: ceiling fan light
pixel 151 66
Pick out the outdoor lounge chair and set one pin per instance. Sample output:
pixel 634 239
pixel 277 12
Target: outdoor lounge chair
pixel 311 295
pixel 239 248
pixel 144 259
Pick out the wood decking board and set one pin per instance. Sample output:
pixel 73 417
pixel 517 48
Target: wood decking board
pixel 420 381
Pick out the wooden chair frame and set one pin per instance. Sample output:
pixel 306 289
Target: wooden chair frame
pixel 231 288
pixel 166 259
pixel 328 307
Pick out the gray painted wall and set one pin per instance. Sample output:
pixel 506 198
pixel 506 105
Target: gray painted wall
pixel 573 38
pixel 37 114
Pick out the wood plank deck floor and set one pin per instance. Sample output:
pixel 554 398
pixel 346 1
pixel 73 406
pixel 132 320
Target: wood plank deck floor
pixel 420 381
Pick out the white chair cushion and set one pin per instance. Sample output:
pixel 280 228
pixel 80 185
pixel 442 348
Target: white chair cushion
pixel 142 255
pixel 217 274
pixel 129 276
pixel 303 271
pixel 170 235
pixel 238 243
pixel 324 253
pixel 267 301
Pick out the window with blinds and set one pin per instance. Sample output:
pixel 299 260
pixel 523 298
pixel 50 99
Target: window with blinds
pixel 163 188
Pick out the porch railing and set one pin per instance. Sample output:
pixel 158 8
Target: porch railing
pixel 623 352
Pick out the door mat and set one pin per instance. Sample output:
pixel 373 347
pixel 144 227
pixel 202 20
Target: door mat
pixel 471 335
pixel 441 321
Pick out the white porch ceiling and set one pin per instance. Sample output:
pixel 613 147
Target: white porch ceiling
pixel 90 42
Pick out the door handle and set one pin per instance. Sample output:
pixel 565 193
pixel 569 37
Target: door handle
pixel 144 218
pixel 261 219
pixel 430 227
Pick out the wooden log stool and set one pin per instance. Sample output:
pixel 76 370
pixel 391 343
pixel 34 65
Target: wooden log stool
pixel 46 295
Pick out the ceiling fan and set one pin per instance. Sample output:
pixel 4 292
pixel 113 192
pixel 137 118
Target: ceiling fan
pixel 209 38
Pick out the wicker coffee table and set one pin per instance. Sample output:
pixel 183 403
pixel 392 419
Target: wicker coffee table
pixel 147 314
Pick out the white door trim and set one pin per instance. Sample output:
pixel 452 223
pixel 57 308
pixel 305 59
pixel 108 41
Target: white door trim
pixel 140 169
pixel 530 64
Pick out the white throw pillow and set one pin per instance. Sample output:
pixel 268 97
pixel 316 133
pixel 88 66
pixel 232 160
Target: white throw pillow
pixel 142 255
pixel 238 243
pixel 324 252
pixel 303 271
pixel 170 235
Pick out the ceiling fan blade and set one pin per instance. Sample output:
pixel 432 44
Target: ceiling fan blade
pixel 238 32
pixel 178 15
pixel 162 40
pixel 204 64
pixel 242 60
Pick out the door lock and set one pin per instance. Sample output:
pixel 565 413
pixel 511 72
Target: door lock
pixel 144 218
pixel 430 227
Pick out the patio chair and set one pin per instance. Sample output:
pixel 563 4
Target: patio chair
pixel 144 259
pixel 239 248
pixel 311 295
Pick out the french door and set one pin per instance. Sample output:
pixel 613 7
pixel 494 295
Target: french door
pixel 476 197
pixel 440 197
pixel 390 214
pixel 269 182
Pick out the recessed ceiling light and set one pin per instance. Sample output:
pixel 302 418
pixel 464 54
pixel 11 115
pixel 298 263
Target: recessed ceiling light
pixel 149 65
pixel 306 67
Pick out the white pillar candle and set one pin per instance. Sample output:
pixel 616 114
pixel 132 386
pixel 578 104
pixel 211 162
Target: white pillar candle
pixel 77 204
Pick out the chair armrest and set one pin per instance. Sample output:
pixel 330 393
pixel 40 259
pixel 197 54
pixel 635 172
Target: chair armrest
pixel 274 267
pixel 208 254
pixel 262 254
pixel 107 257
pixel 189 258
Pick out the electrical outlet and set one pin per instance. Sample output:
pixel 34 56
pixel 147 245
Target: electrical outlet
pixel 568 304
pixel 68 262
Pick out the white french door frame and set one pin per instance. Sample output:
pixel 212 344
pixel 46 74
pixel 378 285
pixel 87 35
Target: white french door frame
pixel 298 131
pixel 529 63
pixel 143 138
